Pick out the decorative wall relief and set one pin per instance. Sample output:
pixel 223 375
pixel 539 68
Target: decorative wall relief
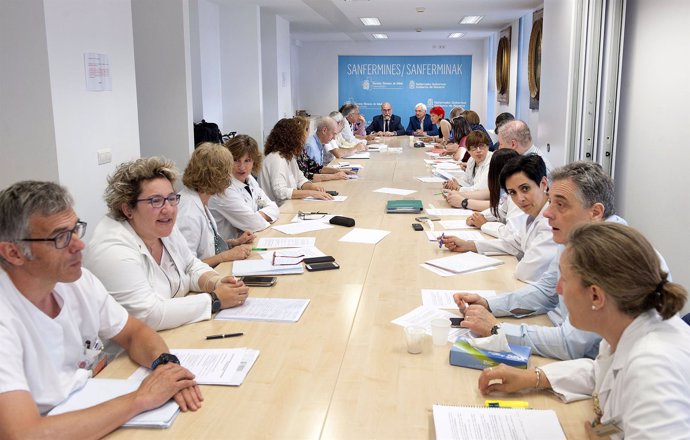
pixel 503 66
pixel 534 59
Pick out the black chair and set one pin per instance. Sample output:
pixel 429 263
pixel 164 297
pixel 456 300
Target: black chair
pixel 686 318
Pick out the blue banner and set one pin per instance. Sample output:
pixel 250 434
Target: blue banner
pixel 404 81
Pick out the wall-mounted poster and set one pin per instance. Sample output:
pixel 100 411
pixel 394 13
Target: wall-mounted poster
pixel 534 59
pixel 404 81
pixel 503 66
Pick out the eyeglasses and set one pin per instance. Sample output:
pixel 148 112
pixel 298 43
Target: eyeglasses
pixel 311 215
pixel 159 201
pixel 63 239
pixel 477 147
pixel 291 263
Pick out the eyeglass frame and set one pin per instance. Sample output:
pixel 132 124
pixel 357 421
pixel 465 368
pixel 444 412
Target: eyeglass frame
pixel 273 260
pixel 477 147
pixel 68 233
pixel 169 199
pixel 303 215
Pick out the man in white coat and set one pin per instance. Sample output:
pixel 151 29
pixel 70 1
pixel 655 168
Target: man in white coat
pixel 53 320
pixel 580 192
pixel 516 135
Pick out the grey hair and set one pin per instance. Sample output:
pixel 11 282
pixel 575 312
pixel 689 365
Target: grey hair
pixel 420 105
pixel 124 185
pixel 593 184
pixel 324 122
pixel 336 115
pixel 24 199
pixel 456 111
pixel 517 130
pixel 347 109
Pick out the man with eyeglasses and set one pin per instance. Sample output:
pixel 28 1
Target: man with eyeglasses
pixel 55 315
pixel 515 134
pixel 386 124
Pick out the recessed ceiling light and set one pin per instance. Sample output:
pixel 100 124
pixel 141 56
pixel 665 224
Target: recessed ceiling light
pixel 471 19
pixel 456 35
pixel 370 21
pixel 380 36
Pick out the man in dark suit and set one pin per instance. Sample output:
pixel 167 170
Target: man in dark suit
pixel 386 124
pixel 420 124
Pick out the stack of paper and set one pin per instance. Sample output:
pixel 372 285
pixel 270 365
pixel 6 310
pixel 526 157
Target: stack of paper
pixel 443 299
pixel 266 309
pixel 359 155
pixel 301 227
pixel 243 268
pixel 467 262
pixel 101 390
pixel 214 366
pixel 285 242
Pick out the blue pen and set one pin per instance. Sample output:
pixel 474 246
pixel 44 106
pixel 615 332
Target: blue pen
pixel 440 240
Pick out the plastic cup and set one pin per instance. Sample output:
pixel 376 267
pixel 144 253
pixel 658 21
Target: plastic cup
pixel 414 338
pixel 439 330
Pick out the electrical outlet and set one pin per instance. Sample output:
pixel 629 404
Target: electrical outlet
pixel 104 156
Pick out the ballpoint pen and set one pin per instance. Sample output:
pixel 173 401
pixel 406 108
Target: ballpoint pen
pixel 440 240
pixel 223 336
pixel 259 249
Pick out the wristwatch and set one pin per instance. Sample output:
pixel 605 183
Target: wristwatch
pixel 494 329
pixel 165 358
pixel 215 302
pixel 464 204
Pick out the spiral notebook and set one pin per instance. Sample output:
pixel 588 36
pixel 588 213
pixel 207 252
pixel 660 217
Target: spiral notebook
pixel 482 423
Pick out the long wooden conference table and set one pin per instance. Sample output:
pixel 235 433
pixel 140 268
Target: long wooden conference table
pixel 342 371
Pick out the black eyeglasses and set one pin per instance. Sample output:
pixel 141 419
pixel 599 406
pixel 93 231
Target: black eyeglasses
pixel 291 263
pixel 311 215
pixel 478 147
pixel 159 201
pixel 63 239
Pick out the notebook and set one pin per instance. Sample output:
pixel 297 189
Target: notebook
pixel 482 423
pixel 467 262
pixel 404 206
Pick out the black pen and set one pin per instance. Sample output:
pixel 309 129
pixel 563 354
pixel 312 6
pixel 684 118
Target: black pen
pixel 224 335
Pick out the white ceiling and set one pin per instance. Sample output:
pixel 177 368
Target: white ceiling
pixel 338 20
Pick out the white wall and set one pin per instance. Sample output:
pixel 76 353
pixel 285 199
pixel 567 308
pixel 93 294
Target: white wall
pixel 163 78
pixel 275 63
pixel 27 135
pixel 209 58
pixel 87 121
pixel 652 156
pixel 556 78
pixel 318 69
pixel 284 64
pixel 240 38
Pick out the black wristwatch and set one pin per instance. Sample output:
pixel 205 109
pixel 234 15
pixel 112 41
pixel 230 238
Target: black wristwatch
pixel 165 358
pixel 494 329
pixel 215 302
pixel 464 204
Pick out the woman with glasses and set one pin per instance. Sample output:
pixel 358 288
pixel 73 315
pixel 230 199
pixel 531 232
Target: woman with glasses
pixel 243 207
pixel 527 237
pixel 473 185
pixel 206 175
pixel 142 258
pixel 281 177
pixel 639 384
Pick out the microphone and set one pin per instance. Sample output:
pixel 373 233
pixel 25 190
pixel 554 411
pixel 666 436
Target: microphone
pixel 342 221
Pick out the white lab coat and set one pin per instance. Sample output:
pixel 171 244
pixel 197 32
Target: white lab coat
pixel 530 239
pixel 121 260
pixel 498 226
pixel 235 211
pixel 643 387
pixel 280 177
pixel 476 180
pixel 196 224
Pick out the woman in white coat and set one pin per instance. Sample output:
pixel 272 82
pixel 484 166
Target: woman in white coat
pixel 529 237
pixel 205 176
pixel 142 258
pixel 611 282
pixel 473 192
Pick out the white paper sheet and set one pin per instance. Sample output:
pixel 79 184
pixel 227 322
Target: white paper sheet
pixel 302 227
pixel 443 299
pixel 450 212
pixel 445 273
pixel 465 262
pixel 242 268
pixel 430 179
pixel 305 251
pixel 448 166
pixel 266 309
pixel 396 191
pixel 325 219
pixel 455 224
pixel 359 155
pixel 361 235
pixel 422 317
pixel 285 242
pixel 335 199
pixel 465 235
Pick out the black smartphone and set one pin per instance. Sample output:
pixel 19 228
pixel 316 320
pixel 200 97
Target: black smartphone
pixel 322 266
pixel 417 227
pixel 455 322
pixel 256 281
pixel 333 193
pixel 324 259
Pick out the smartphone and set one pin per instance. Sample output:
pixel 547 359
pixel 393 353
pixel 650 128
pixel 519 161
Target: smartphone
pixel 256 281
pixel 324 259
pixel 314 267
pixel 333 193
pixel 423 219
pixel 455 322
pixel 417 227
